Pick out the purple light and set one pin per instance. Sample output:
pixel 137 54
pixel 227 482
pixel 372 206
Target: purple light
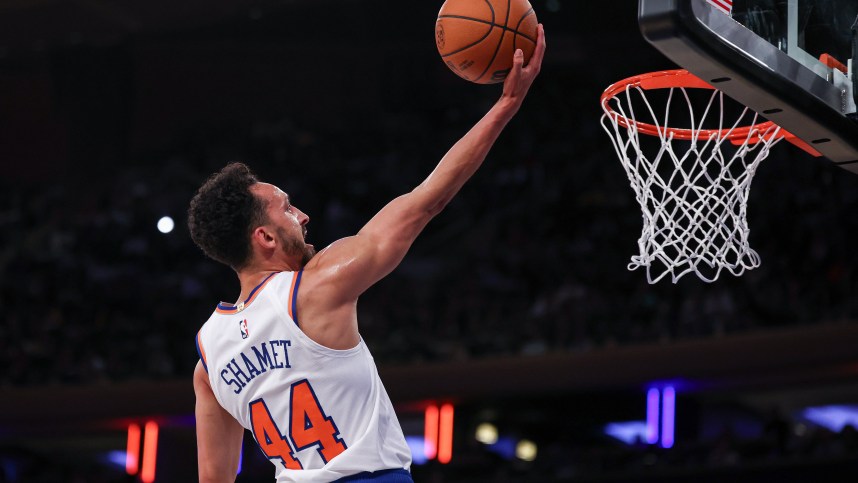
pixel 833 417
pixel 629 432
pixel 668 414
pixel 240 457
pixel 652 416
pixel 416 445
pixel 116 458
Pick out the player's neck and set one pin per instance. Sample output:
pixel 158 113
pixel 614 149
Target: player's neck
pixel 250 277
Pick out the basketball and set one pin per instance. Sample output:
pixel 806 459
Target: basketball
pixel 477 38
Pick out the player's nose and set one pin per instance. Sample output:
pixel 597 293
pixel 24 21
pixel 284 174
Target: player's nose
pixel 303 219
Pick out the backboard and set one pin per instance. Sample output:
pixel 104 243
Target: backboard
pixel 792 61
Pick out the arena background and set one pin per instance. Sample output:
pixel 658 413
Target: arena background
pixel 515 307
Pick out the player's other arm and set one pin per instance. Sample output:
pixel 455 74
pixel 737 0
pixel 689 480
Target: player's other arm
pixel 219 436
pixel 359 261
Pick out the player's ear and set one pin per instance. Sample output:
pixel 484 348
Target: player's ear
pixel 264 237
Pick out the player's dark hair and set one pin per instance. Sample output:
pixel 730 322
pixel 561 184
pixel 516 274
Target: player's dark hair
pixel 224 212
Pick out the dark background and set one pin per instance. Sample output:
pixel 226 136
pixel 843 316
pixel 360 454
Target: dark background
pixel 112 114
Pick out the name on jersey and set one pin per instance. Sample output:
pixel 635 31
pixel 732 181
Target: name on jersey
pixel 250 364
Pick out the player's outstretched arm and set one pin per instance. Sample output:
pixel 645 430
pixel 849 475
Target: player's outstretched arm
pixel 355 263
pixel 219 436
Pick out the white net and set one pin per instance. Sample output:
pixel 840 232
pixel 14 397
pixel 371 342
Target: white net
pixel 692 184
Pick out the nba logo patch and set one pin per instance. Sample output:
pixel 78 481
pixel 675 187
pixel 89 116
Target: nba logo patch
pixel 242 326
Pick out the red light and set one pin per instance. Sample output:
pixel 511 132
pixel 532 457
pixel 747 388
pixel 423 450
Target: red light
pixel 430 432
pixel 150 452
pixel 445 443
pixel 132 451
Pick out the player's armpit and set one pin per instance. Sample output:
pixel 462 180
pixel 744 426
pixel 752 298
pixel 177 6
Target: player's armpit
pixel 219 436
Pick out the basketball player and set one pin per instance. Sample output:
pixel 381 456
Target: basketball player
pixel 287 361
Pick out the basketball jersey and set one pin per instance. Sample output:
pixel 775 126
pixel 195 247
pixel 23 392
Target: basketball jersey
pixel 318 414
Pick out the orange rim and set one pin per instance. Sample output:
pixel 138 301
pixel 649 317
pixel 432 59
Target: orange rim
pixel 667 79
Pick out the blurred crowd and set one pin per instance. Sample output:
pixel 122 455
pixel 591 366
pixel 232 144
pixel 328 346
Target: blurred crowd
pixel 779 450
pixel 530 258
pixel 777 454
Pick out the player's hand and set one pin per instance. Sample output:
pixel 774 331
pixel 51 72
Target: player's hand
pixel 520 77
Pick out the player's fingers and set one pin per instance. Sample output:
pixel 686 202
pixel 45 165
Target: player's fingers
pixel 510 85
pixel 539 52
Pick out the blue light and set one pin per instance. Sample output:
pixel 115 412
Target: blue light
pixel 629 432
pixel 652 416
pixel 116 458
pixel 504 446
pixel 10 468
pixel 833 417
pixel 418 454
pixel 668 416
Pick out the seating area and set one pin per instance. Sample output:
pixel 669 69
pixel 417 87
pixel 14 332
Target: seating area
pixel 529 259
pixel 102 138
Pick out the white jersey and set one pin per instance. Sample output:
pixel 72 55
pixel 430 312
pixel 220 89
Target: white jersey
pixel 319 414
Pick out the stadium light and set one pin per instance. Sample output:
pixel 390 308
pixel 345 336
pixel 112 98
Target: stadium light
pixel 430 432
pixel 132 451
pixel 166 224
pixel 668 416
pixel 486 433
pixel 150 452
pixel 525 450
pixel 445 439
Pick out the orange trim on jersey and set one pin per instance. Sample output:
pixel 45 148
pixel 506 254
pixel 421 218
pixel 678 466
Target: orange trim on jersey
pixel 258 289
pixel 228 308
pixel 291 293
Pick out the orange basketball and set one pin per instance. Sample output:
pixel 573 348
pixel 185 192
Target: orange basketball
pixel 477 38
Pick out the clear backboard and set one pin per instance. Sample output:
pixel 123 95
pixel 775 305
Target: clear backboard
pixel 791 61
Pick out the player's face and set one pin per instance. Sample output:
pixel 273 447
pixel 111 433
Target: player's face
pixel 290 223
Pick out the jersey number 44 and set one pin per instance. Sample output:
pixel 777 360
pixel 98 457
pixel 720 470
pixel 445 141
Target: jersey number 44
pixel 307 426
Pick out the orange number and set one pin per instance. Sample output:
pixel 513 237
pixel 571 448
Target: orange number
pixel 268 436
pixel 309 426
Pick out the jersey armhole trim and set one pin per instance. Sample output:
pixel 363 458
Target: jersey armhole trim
pixel 201 351
pixel 293 297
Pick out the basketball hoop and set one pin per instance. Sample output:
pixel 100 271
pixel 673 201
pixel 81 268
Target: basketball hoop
pixel 692 186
